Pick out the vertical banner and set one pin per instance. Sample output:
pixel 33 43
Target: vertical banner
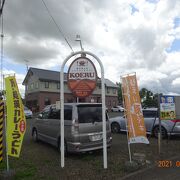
pixel 135 119
pixel 1 127
pixel 167 108
pixel 16 122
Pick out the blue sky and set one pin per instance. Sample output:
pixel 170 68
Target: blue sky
pixel 175 46
pixel 152 1
pixel 134 9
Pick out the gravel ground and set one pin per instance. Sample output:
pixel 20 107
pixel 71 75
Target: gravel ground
pixel 42 161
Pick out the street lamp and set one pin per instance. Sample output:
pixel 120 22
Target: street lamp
pixel 78 38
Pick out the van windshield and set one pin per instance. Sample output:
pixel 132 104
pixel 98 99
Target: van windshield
pixel 90 114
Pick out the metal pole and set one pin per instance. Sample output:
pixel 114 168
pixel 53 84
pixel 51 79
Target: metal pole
pixel 159 133
pixel 103 109
pixel 104 119
pixel 62 117
pixel 103 105
pixel 62 107
pixel 5 124
pixel 2 50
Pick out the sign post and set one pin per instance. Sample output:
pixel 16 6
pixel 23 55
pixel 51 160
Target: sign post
pixel 78 90
pixel 166 112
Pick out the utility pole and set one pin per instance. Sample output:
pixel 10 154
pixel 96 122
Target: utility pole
pixel 27 67
pixel 2 36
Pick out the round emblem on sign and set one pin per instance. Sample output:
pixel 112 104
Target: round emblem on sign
pixel 82 77
pixel 22 126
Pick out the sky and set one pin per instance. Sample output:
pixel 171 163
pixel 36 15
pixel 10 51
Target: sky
pixel 141 36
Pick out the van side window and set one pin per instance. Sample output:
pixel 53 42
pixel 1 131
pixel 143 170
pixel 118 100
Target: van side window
pixel 68 112
pixel 89 114
pixel 45 114
pixel 54 114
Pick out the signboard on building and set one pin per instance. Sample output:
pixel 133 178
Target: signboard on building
pixel 167 108
pixel 134 115
pixel 82 77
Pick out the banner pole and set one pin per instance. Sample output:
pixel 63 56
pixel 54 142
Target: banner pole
pixel 129 146
pixel 159 133
pixel 125 115
pixel 5 124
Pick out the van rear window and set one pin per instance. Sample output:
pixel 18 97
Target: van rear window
pixel 90 114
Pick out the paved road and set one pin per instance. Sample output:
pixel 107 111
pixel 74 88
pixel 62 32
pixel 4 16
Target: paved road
pixel 158 173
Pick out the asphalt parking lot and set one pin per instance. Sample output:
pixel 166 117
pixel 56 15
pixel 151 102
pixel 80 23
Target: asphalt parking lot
pixel 42 161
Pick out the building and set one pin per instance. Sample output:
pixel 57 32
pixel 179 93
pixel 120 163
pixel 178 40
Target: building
pixel 42 87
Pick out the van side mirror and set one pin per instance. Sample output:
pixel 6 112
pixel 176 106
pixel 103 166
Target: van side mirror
pixel 40 116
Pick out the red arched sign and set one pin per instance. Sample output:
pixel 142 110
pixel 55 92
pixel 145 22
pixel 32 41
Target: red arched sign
pixel 82 77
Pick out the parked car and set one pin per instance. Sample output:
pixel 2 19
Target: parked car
pixel 117 109
pixel 151 120
pixel 28 113
pixel 82 127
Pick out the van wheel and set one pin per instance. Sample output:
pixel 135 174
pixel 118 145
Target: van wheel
pixel 35 135
pixel 163 132
pixel 115 128
pixel 65 147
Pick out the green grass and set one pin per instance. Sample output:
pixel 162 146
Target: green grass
pixel 23 169
pixel 2 166
pixel 26 172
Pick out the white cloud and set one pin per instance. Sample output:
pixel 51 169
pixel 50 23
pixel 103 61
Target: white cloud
pixel 125 42
pixel 176 81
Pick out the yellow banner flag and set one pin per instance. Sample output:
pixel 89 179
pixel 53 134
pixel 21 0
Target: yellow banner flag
pixel 16 122
pixel 135 119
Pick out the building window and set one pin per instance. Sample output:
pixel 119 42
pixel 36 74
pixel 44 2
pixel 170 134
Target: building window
pixel 32 85
pixel 58 85
pixel 36 85
pixel 114 103
pixel 47 101
pixel 114 91
pixel 98 99
pixel 109 103
pixel 46 84
pixel 108 90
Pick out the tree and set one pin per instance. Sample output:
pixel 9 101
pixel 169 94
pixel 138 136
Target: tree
pixel 120 98
pixel 148 99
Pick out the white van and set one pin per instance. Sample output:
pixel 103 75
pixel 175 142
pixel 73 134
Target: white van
pixel 82 127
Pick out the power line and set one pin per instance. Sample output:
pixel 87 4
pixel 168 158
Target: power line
pixel 58 27
pixel 2 5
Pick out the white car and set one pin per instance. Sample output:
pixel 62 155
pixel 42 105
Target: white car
pixel 117 109
pixel 151 120
pixel 27 112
